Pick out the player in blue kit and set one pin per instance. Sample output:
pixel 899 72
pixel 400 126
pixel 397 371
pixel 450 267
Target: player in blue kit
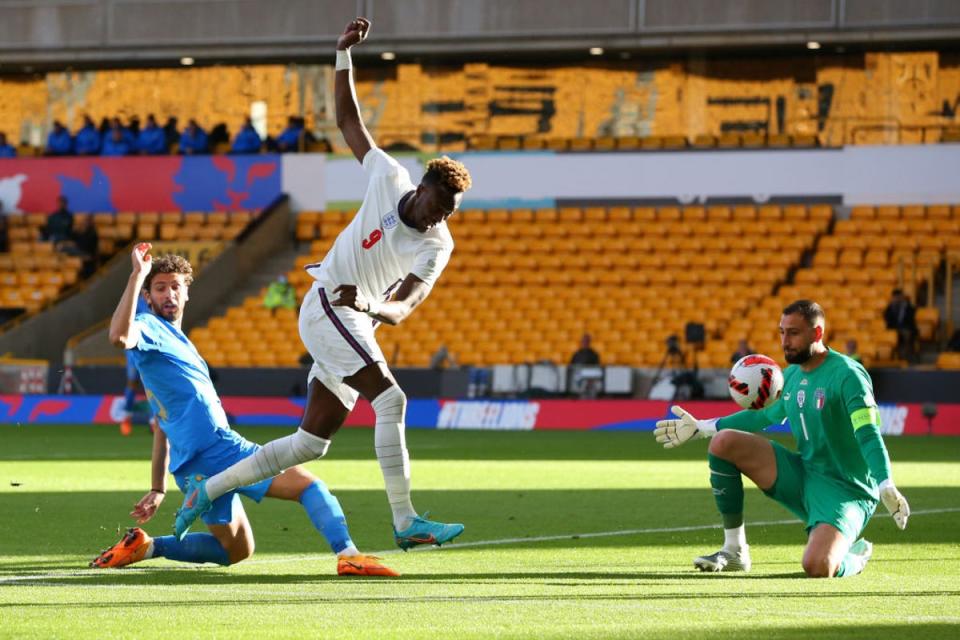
pixel 194 437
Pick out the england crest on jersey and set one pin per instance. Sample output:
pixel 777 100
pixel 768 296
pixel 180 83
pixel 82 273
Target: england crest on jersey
pixel 801 397
pixel 391 220
pixel 821 397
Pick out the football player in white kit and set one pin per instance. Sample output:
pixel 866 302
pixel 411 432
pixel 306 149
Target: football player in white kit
pixel 380 268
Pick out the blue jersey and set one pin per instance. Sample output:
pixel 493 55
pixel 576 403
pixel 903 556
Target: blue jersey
pixel 178 386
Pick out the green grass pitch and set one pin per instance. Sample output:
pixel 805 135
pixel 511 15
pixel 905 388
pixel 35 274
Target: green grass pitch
pixel 572 534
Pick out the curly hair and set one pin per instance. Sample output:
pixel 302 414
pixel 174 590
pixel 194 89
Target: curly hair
pixel 448 172
pixel 170 263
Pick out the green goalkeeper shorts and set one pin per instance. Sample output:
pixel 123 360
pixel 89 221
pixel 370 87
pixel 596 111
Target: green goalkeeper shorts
pixel 817 499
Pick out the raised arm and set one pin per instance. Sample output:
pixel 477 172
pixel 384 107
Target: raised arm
pixel 123 331
pixel 348 110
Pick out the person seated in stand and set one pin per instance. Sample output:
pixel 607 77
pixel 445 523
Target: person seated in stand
pixel 289 139
pixel 280 295
pixel 193 140
pixel 584 369
pixel 743 350
pixel 247 140
pixel 585 354
pixel 59 142
pixel 900 315
pixel 442 358
pixel 6 150
pixel 152 140
pixel 115 143
pixel 88 139
pixel 59 227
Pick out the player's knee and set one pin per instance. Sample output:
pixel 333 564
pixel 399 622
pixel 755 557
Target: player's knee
pixel 817 566
pixel 723 445
pixel 240 550
pixel 391 401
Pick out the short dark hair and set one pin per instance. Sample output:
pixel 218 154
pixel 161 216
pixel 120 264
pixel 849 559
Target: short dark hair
pixel 897 292
pixel 170 263
pixel 810 310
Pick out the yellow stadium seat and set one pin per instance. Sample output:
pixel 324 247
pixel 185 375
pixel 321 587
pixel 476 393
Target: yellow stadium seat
pixel 913 211
pixel 928 320
pixel 948 360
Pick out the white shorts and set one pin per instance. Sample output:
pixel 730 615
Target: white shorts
pixel 340 340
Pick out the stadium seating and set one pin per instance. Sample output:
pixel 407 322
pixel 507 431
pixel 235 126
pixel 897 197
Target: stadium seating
pixel 523 285
pixel 631 104
pixel 855 268
pixel 33 274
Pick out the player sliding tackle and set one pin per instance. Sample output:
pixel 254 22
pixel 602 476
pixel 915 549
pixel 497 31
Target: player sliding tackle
pixel 834 480
pixel 396 245
pixel 194 436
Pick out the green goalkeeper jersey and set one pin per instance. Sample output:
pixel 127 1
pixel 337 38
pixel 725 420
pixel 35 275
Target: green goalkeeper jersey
pixel 834 419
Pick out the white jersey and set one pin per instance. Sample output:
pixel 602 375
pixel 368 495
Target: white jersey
pixel 377 250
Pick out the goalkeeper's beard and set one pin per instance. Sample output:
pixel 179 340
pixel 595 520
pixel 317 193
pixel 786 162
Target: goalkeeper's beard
pixel 800 356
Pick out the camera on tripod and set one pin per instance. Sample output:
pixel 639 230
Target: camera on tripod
pixel 673 346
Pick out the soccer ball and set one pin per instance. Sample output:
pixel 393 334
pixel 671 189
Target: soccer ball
pixel 756 382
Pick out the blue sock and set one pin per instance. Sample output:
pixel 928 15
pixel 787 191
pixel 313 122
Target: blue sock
pixel 326 514
pixel 195 547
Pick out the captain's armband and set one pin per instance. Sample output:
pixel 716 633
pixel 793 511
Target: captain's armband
pixel 864 417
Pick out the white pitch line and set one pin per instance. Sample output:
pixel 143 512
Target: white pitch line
pixel 459 545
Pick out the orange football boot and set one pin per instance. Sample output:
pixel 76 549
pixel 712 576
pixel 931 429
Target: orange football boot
pixel 131 548
pixel 363 566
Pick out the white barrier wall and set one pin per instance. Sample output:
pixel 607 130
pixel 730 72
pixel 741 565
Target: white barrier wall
pixel 907 174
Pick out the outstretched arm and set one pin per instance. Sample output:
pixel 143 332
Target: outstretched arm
pixel 123 330
pixel 348 111
pixel 148 504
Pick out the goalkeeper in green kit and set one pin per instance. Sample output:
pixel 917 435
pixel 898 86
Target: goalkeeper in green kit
pixel 833 481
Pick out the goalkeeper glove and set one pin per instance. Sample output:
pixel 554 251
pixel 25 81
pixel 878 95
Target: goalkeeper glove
pixel 895 503
pixel 673 433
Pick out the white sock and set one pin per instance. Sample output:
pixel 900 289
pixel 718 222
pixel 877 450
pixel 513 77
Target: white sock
pixel 349 552
pixel 270 460
pixel 735 539
pixel 390 407
pixel 149 553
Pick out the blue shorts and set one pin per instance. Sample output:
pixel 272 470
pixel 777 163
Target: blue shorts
pixel 215 459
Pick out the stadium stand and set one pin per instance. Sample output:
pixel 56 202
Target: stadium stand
pixel 624 274
pixel 33 274
pixel 702 103
pixel 631 277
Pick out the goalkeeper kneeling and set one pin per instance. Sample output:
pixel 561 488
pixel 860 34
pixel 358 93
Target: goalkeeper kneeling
pixel 835 479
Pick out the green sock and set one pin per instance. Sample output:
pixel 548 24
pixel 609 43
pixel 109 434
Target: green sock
pixel 851 565
pixel 727 486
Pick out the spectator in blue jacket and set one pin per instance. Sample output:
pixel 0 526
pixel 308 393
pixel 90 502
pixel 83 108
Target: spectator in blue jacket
pixel 193 140
pixel 59 142
pixel 129 136
pixel 289 138
pixel 115 143
pixel 6 151
pixel 248 140
pixel 152 140
pixel 88 139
